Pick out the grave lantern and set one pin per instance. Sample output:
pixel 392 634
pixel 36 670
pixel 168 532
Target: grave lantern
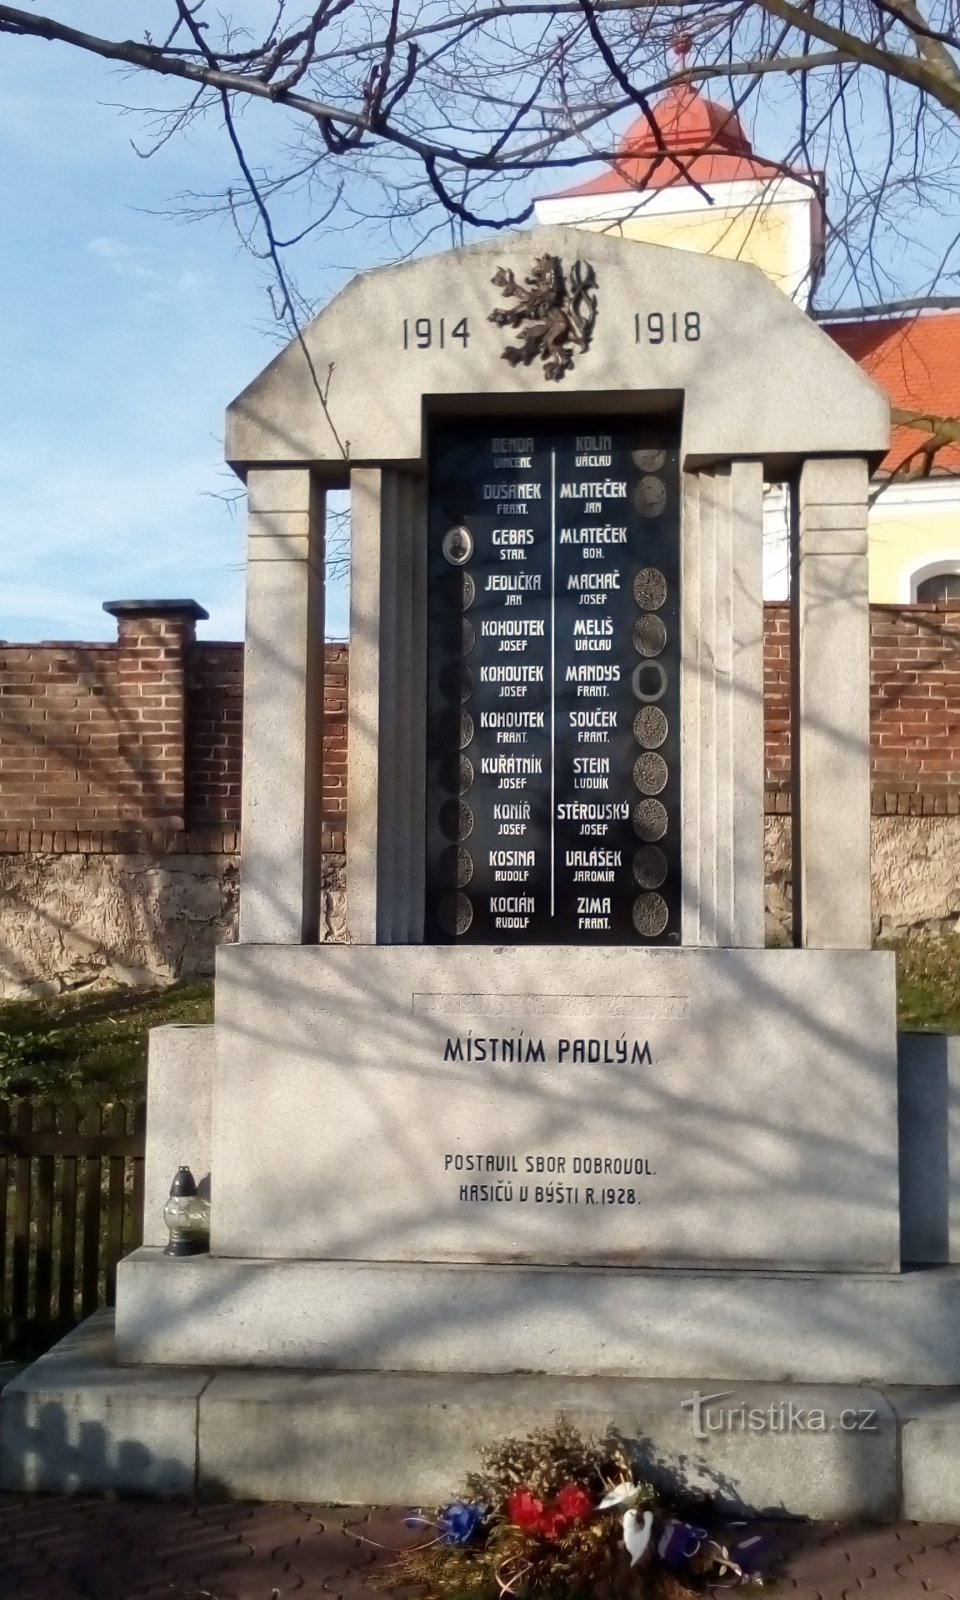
pixel 187 1216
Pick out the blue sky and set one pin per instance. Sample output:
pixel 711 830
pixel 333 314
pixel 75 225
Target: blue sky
pixel 124 336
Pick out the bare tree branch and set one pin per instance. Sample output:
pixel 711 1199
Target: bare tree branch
pixel 400 120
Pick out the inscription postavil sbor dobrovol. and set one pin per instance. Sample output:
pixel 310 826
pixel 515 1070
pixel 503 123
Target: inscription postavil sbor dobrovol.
pixel 495 1179
pixel 553 782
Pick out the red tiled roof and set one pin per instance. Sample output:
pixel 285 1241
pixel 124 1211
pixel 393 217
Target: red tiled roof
pixel 706 138
pixel 917 361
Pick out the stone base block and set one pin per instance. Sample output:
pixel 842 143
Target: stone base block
pixel 608 1106
pixel 410 1439
pixel 75 1421
pixel 929 1424
pixel 785 1327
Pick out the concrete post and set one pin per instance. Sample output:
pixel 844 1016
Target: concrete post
pixel 722 707
pixel 281 810
pixel 830 627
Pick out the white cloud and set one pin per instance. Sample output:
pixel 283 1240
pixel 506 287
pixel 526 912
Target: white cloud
pixel 110 249
pixel 138 262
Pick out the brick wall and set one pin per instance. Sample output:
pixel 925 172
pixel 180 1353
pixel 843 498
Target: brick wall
pixel 58 742
pixel 776 706
pixel 335 748
pixel 914 709
pixel 120 793
pixel 214 734
pixel 138 744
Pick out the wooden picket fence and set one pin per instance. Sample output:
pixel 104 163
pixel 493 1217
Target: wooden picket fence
pixel 71 1204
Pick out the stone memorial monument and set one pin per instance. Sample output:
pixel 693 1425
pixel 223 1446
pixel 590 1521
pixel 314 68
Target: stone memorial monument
pixel 554 1109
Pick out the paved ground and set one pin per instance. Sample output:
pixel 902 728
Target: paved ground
pixel 102 1549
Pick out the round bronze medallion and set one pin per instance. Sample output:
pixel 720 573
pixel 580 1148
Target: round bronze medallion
pixel 456 682
pixel 459 590
pixel 649 820
pixel 649 496
pixel 650 773
pixel 443 730
pixel 456 774
pixel 454 913
pixel 649 635
pixel 457 635
pixel 466 729
pixel 648 459
pixel 649 589
pixel 649 867
pixel 456 866
pixel 650 915
pixel 456 821
pixel 650 727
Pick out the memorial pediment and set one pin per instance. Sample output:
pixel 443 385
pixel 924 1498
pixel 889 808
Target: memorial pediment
pixel 628 325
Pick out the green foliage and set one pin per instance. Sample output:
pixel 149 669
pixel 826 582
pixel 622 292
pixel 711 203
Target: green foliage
pixel 928 983
pixel 91 1047
pixel 28 1063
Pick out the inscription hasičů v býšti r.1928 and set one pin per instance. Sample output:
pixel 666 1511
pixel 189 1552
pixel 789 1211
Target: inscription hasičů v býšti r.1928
pixel 553 683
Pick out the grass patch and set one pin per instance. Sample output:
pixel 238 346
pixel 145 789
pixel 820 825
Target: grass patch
pixel 92 1047
pixel 928 983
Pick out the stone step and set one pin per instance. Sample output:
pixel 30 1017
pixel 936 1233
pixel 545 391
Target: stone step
pixel 75 1420
pixel 777 1327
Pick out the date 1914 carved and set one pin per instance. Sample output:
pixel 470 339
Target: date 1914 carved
pixel 554 318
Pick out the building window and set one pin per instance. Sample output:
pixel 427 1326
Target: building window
pixel 939 589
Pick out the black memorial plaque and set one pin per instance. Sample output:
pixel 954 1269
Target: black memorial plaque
pixel 553 738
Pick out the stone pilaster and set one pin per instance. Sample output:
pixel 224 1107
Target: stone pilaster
pixel 830 624
pixel 282 709
pixel 722 706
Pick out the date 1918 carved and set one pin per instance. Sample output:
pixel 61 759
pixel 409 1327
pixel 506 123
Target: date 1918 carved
pixel 554 318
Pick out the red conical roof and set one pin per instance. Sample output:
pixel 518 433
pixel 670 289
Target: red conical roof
pixel 695 140
pixel 689 124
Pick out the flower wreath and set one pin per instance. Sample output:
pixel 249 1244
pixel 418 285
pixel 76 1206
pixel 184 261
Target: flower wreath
pixel 554 1514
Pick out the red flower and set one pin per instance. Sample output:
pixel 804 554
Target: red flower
pixel 573 1502
pixel 553 1524
pixel 524 1510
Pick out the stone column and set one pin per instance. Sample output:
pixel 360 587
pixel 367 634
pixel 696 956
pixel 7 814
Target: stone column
pixel 722 706
pixel 281 813
pixel 385 741
pixel 830 629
